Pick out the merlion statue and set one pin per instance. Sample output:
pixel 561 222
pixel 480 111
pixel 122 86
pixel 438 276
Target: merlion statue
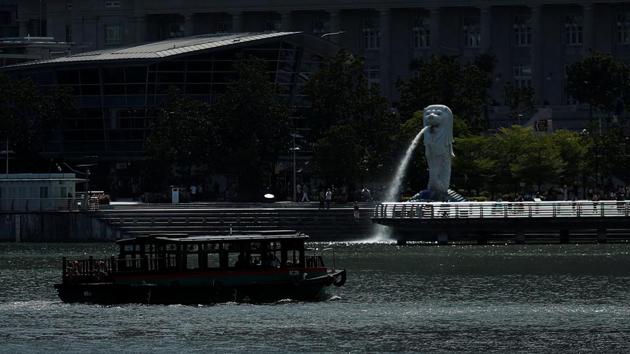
pixel 438 149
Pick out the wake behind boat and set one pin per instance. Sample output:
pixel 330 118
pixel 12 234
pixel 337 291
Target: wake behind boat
pixel 175 269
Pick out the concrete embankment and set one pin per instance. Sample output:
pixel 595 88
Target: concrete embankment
pixel 336 224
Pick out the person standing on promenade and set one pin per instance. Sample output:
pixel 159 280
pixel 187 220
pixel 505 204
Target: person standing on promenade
pixel 328 198
pixel 321 199
pixel 305 194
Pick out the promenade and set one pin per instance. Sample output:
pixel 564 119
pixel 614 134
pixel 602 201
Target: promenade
pixel 519 222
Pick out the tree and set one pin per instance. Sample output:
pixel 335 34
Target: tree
pixel 599 80
pixel 444 80
pixel 254 125
pixel 520 100
pixel 337 153
pixel 28 117
pixel 341 96
pixel 183 135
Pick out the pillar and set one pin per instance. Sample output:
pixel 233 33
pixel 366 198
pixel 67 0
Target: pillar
pixel 536 52
pixel 485 23
pixel 141 28
pixel 285 21
pixel 385 50
pixel 588 29
pixel 237 22
pixel 189 24
pixel 435 19
pixel 334 26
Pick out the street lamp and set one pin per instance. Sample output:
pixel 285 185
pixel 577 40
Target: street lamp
pixel 294 149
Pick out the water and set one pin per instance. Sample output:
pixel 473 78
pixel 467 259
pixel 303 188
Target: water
pixel 525 298
pixel 381 232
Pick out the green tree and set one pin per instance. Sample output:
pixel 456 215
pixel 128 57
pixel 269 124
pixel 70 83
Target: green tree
pixel 183 135
pixel 337 153
pixel 444 80
pixel 341 96
pixel 28 118
pixel 255 127
pixel 599 80
pixel 520 100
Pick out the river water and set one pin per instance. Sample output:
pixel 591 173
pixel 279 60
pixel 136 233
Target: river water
pixel 515 298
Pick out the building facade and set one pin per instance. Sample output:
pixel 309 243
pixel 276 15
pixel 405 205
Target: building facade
pixel 533 41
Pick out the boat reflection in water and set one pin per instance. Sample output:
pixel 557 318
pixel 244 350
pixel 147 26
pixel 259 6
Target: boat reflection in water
pixel 175 269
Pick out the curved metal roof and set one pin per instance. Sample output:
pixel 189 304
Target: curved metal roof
pixel 162 49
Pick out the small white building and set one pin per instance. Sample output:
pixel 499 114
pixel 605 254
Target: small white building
pixel 39 191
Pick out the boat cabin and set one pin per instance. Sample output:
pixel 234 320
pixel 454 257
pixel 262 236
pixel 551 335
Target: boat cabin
pixel 201 253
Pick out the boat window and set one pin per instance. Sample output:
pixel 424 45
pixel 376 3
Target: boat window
pixel 274 245
pixel 293 258
pixel 214 260
pixel 232 259
pixel 150 248
pixel 171 247
pixel 254 246
pixel 192 248
pixel 192 261
pixel 231 246
pixel 213 246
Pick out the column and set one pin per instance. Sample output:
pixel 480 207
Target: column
pixel 334 26
pixel 485 24
pixel 237 21
pixel 536 52
pixel 140 23
pixel 189 24
pixel 385 51
pixel 435 19
pixel 285 21
pixel 588 30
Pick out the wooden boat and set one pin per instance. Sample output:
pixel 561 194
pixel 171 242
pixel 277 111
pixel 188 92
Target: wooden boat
pixel 175 269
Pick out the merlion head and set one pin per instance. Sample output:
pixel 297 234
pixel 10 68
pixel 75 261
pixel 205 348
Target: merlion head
pixel 438 119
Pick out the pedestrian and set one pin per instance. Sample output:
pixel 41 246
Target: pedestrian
pixel 298 191
pixel 328 198
pixel 305 194
pixel 357 213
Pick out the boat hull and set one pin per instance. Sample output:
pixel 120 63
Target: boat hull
pixel 150 293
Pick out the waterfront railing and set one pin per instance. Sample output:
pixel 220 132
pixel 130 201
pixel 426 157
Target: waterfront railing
pixel 495 210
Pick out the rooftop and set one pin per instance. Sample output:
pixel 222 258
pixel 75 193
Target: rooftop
pixel 163 49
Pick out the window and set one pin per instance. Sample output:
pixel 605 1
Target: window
pixel 573 30
pixel 623 28
pixel 43 192
pixel 371 34
pixel 112 3
pixel 522 76
pixel 113 34
pixel 472 32
pixel 373 74
pixel 523 31
pixel 421 33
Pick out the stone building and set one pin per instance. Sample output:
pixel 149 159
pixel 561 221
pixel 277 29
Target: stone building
pixel 533 41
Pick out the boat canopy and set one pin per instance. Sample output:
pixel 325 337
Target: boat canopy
pixel 183 238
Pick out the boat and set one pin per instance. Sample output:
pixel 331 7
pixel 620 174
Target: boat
pixel 257 267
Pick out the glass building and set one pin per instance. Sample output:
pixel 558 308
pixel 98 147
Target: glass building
pixel 119 91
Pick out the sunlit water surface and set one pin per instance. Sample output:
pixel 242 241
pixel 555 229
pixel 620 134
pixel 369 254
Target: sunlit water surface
pixel 415 298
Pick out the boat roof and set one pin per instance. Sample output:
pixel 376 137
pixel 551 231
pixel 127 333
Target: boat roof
pixel 183 238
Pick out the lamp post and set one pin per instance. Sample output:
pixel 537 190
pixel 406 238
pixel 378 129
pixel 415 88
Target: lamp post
pixel 6 153
pixel 294 149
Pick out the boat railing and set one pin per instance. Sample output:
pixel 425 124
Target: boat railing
pixel 494 210
pixel 314 261
pixel 90 269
